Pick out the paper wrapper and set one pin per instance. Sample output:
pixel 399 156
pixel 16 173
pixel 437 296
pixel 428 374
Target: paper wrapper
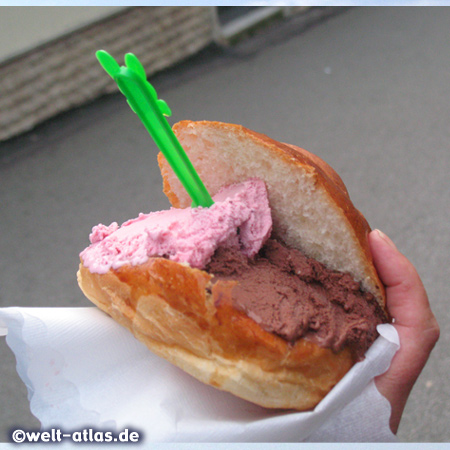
pixel 83 369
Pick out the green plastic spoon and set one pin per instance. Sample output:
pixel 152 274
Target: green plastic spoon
pixel 143 100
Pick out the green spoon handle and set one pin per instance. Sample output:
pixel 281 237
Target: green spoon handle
pixel 143 100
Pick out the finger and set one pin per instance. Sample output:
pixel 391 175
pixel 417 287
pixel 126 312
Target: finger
pixel 407 299
pixel 407 302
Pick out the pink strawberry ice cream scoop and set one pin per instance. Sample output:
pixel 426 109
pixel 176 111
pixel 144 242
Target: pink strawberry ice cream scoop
pixel 239 218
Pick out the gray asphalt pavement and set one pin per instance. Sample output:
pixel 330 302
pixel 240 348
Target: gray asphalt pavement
pixel 368 90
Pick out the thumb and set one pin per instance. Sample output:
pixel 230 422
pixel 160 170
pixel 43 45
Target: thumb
pixel 407 300
pixel 408 305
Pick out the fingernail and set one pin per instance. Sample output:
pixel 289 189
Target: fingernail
pixel 386 239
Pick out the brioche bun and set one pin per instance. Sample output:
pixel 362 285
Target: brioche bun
pixel 183 317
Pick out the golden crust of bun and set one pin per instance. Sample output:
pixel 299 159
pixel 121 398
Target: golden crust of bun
pixel 182 317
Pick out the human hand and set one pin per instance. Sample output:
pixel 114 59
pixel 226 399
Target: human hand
pixel 418 330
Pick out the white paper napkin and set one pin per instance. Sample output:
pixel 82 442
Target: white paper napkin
pixel 83 369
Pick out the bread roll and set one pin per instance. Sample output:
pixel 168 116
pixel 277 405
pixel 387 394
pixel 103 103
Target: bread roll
pixel 182 316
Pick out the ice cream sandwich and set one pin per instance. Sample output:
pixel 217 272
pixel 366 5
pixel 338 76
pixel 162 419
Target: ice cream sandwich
pixel 270 293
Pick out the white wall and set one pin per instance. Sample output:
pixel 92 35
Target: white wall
pixel 24 27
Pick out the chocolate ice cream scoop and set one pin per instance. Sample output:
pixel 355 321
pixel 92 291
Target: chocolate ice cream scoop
pixel 294 296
